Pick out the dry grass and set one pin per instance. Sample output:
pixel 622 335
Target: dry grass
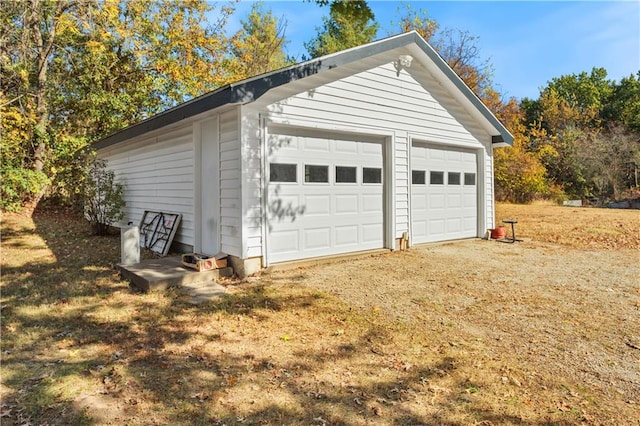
pixel 79 348
pixel 596 228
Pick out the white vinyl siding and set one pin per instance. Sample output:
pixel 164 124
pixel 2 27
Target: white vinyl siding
pixel 379 98
pixel 251 184
pixel 401 183
pixel 230 184
pixel 158 175
pixel 489 195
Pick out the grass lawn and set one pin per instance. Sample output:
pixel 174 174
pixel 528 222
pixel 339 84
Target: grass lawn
pixel 78 347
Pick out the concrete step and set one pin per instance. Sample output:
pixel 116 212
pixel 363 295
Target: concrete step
pixel 200 293
pixel 162 273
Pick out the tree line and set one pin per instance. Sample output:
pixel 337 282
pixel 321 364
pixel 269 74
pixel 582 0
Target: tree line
pixel 74 71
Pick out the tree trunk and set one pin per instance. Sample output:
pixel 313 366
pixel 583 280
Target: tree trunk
pixel 36 20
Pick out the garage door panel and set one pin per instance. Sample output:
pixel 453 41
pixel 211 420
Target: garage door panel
pixel 470 223
pixel 346 204
pixel 420 228
pixel 419 202
pixel 454 201
pixel 435 154
pixel 313 144
pixel 285 208
pixel 454 156
pixel 317 205
pixel 436 202
pixel 454 225
pixel 281 242
pixel 346 235
pixel 436 227
pixel 371 232
pixel 469 201
pixel 318 238
pixel 373 149
pixel 349 147
pixel 286 144
pixel 372 203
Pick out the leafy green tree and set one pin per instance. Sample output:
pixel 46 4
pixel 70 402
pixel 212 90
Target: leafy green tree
pixel 350 23
pixel 624 104
pixel 581 122
pixel 576 100
pixel 31 31
pixel 258 47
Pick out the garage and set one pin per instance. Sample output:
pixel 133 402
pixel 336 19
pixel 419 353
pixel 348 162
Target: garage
pixel 325 194
pixel 444 195
pixel 341 154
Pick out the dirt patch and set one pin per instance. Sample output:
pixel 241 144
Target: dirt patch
pixel 564 311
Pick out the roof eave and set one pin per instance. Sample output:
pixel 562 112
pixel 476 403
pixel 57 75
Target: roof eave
pixel 498 141
pixel 191 108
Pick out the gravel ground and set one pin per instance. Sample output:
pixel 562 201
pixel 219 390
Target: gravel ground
pixel 565 311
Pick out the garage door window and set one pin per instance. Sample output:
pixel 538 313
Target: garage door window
pixel 371 175
pixel 418 177
pixel 470 179
pixel 454 178
pixel 279 172
pixel 316 174
pixel 436 178
pixel 345 174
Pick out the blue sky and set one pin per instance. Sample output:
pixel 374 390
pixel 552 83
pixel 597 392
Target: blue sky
pixel 527 42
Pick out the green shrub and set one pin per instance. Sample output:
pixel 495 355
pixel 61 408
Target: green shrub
pixel 103 197
pixel 18 185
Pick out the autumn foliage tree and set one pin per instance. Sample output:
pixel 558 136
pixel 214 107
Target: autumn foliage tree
pixel 519 174
pixel 72 71
pixel 459 48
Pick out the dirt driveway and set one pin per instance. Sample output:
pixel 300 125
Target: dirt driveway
pixel 553 310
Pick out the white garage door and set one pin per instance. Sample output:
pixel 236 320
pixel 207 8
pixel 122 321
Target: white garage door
pixel 444 196
pixel 325 195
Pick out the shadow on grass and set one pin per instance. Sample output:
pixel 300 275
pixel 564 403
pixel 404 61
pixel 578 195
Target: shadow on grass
pixel 64 364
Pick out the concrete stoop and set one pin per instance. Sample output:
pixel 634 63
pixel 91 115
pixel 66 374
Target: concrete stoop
pixel 166 272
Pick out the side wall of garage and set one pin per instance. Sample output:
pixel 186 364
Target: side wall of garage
pixel 379 101
pixel 192 168
pixel 157 173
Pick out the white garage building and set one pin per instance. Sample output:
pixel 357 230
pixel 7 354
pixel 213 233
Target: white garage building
pixel 340 154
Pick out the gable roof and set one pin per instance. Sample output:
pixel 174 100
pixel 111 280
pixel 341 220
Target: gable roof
pixel 251 89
